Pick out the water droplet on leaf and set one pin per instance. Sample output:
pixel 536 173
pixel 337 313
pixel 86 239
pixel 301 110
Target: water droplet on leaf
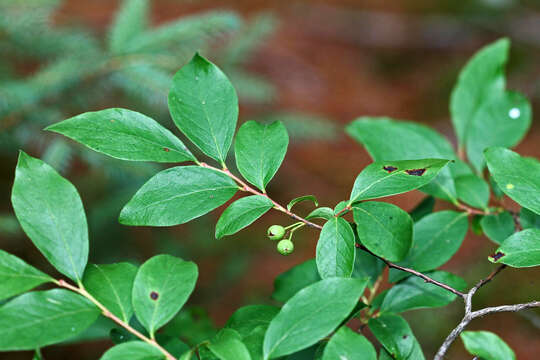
pixel 514 113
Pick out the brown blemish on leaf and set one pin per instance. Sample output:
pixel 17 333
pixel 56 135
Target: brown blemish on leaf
pixel 357 245
pixel 166 149
pixel 154 295
pixel 497 255
pixel 416 172
pixel 390 168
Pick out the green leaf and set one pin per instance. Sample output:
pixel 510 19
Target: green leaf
pixel 486 345
pixel 228 346
pixel 112 285
pixel 242 213
pixel 16 276
pixel 518 177
pixel 51 213
pixel 386 139
pixel 346 344
pixel 367 266
pixel 124 134
pixel 528 219
pixel 204 106
pixel 295 279
pixel 437 237
pixel 480 79
pixel 502 120
pixel 133 350
pixel 248 318
pixel 425 207
pixel 311 314
pixel 130 21
pixel 260 150
pixel 473 191
pixel 162 286
pixel 498 227
pixel 300 199
pixel 335 249
pixel 42 318
pixel 383 228
pixel 394 334
pixel 321 213
pixel 178 195
pixel 415 293
pixel 522 249
pixel 387 178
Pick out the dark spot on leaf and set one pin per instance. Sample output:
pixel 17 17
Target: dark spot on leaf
pixel 390 168
pixel 357 245
pixel 416 172
pixel 391 217
pixel 404 337
pixel 154 295
pixel 497 255
pixel 166 149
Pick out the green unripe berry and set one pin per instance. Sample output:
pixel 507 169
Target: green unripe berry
pixel 285 247
pixel 276 232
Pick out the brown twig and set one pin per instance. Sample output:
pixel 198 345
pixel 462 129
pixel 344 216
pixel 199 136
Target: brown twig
pixel 82 291
pixel 470 210
pixel 246 187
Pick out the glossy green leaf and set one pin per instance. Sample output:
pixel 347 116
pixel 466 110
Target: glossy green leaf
pixel 383 228
pixel 251 323
pixel 16 276
pixel 42 318
pixel 502 120
pixel 162 286
pixel 300 199
pixel 295 279
pixel 472 190
pixel 335 249
pixel 346 344
pixel 393 332
pixel 124 134
pixel 480 79
pixel 204 106
pixel 321 213
pixel 425 207
pixel 522 249
pixel 415 293
pixel 486 345
pixel 228 345
pixel 311 314
pixel 386 139
pixel 51 213
pixel 130 21
pixel 111 285
pixel 437 237
pixel 528 219
pixel 133 350
pixel 518 177
pixel 498 226
pixel 247 318
pixel 178 195
pixel 260 150
pixel 367 266
pixel 416 353
pixel 242 213
pixel 387 178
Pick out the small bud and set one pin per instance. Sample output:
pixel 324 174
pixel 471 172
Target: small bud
pixel 276 232
pixel 285 247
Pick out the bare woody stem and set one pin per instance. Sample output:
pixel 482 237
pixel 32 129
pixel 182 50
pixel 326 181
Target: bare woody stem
pixel 246 187
pixel 471 315
pixel 82 291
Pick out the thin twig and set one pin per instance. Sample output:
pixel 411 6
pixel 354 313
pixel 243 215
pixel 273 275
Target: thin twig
pixel 279 207
pixel 470 210
pixel 82 291
pixel 471 315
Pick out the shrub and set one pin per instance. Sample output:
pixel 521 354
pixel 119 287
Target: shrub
pixel 358 238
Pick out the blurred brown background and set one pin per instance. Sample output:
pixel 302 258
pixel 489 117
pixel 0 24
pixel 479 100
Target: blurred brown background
pixel 336 60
